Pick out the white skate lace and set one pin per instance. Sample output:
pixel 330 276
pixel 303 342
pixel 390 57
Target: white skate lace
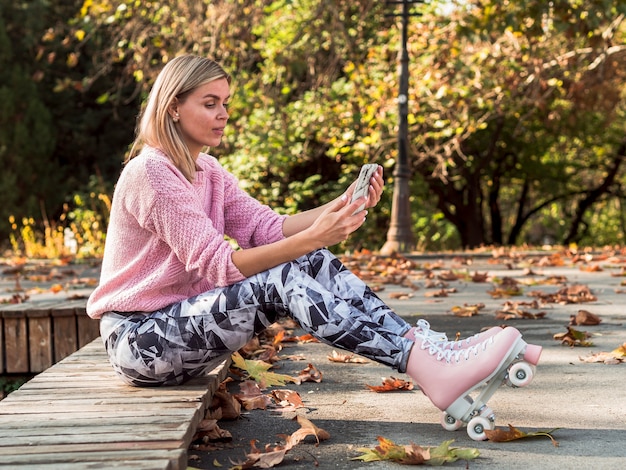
pixel 435 348
pixel 423 331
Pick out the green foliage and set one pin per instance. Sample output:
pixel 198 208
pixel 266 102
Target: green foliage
pixel 515 99
pixel 9 384
pixel 516 109
pixel 28 176
pixel 79 232
pixel 54 134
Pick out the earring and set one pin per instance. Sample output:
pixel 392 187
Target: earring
pixel 176 117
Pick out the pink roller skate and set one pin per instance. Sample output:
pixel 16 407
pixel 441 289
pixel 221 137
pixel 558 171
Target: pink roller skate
pixel 448 376
pixel 422 331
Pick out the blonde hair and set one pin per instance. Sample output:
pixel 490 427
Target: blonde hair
pixel 156 128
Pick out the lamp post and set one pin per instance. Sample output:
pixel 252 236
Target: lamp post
pixel 400 236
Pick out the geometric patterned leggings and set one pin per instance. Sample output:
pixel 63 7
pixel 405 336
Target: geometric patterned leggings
pixel 176 343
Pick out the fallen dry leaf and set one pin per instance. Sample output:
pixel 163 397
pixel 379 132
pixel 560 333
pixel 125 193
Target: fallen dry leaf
pixel 573 338
pixel 617 356
pixel 448 276
pixel 413 454
pixel 480 277
pixel 307 428
pixel 568 295
pixel 310 374
pixel 305 338
pixel 251 396
pixel 512 314
pixel 268 458
pixel 440 293
pixel 223 404
pixel 400 295
pixel 467 310
pixel 391 384
pixel 591 268
pixel 583 317
pixel 553 260
pixel 288 400
pixel 56 288
pixel 209 431
pixel 347 358
pixel 513 434
pixel 508 287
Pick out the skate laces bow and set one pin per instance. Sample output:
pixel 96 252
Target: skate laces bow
pixel 423 329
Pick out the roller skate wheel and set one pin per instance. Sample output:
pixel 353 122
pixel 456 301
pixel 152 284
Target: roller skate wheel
pixel 450 423
pixel 477 426
pixel 520 374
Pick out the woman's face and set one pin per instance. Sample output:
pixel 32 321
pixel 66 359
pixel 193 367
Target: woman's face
pixel 203 114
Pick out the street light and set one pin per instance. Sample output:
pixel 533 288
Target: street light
pixel 400 236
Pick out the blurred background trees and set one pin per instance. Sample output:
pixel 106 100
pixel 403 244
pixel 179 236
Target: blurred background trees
pixel 517 120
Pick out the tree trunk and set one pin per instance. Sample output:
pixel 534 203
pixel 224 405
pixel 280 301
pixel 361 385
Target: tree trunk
pixel 462 207
pixel 574 233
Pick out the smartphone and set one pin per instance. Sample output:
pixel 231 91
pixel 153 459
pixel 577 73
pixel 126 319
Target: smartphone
pixel 363 183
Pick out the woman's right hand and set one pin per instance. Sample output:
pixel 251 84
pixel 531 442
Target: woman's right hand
pixel 337 222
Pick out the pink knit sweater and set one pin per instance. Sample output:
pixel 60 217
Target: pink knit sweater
pixel 165 240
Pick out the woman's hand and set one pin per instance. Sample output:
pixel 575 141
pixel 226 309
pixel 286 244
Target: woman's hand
pixel 377 186
pixel 297 223
pixel 336 222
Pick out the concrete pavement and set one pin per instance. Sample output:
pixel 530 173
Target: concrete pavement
pixel 586 401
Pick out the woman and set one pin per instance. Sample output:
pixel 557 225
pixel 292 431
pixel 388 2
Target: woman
pixel 174 295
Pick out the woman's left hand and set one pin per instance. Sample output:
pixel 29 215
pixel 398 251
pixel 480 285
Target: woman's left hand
pixel 377 185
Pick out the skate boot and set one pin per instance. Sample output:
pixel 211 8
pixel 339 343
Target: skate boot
pixel 448 376
pixel 423 331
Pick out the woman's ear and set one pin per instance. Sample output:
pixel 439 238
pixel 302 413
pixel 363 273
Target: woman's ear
pixel 173 110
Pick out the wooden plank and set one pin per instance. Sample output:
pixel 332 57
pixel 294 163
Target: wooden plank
pixel 131 435
pixel 76 386
pixel 91 427
pixel 66 329
pixel 2 356
pixel 33 416
pixel 39 338
pixel 86 465
pixel 130 457
pixel 88 328
pixel 67 407
pixel 47 421
pixel 15 339
pixel 43 420
pixel 65 334
pixel 89 447
pixel 35 395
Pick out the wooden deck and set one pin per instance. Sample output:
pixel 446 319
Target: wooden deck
pixel 77 414
pixel 36 334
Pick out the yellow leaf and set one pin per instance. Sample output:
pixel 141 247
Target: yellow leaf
pixel 620 351
pixel 259 371
pixel 56 288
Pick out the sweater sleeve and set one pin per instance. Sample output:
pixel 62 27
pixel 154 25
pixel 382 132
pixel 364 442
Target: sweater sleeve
pixel 248 221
